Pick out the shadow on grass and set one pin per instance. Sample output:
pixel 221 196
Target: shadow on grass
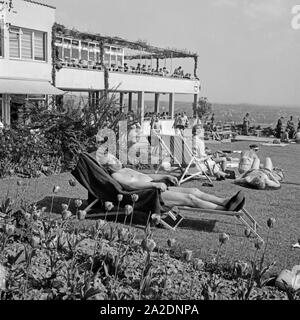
pixel 139 218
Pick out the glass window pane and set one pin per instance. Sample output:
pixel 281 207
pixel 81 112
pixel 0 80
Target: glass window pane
pixel 1 45
pixel 75 53
pixel 26 44
pixel 84 55
pixel 60 52
pixel 67 53
pixel 14 46
pixel 39 46
pixel 92 56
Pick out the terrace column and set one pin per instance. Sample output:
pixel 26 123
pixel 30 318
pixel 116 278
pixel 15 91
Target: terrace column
pixel 141 106
pixel 6 110
pixel 121 101
pixel 171 105
pixel 130 101
pixel 156 103
pixel 196 97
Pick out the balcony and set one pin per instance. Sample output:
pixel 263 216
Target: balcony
pixel 87 78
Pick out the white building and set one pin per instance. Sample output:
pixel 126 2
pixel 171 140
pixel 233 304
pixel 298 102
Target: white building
pixel 25 54
pixel 30 68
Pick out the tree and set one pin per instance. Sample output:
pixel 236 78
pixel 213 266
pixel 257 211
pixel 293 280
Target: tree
pixel 203 107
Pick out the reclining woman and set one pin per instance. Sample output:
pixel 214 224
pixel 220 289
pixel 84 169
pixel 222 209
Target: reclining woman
pixel 172 195
pixel 261 178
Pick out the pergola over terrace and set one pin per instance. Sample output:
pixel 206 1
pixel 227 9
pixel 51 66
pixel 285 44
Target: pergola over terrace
pixel 98 77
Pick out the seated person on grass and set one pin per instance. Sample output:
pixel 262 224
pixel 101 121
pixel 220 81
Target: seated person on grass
pixel 247 158
pixel 261 178
pixel 215 166
pixel 172 196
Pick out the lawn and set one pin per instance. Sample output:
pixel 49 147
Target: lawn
pixel 201 236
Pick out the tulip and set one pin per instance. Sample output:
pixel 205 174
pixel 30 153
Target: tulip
pixel 2 277
pixel 171 242
pixel 35 241
pixel 11 172
pixel 247 233
pixel 122 234
pixel 223 238
pixel 78 203
pixel 66 214
pixel 64 206
pixel 271 222
pixel 120 197
pixel 108 206
pixel 148 244
pixel 56 189
pixel 99 224
pixel 134 197
pixel 156 219
pixel 9 229
pixel 187 255
pixel 43 209
pixel 128 210
pixel 81 214
pixel 258 243
pixel 72 182
pixel 198 264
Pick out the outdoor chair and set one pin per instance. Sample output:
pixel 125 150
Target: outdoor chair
pixel 177 147
pixel 102 187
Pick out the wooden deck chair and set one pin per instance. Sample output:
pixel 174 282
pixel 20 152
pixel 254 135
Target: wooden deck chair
pixel 178 148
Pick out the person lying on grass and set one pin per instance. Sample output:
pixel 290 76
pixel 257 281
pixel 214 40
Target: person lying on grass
pixel 261 178
pixel 172 195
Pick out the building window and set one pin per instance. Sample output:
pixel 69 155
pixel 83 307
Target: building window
pixel 27 44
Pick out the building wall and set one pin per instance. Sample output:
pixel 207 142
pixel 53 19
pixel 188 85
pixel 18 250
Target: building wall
pixel 31 16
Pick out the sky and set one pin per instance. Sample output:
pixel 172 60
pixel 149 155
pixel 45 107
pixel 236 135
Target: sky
pixel 248 50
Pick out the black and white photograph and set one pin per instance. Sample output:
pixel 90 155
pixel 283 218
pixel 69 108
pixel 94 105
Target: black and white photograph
pixel 149 153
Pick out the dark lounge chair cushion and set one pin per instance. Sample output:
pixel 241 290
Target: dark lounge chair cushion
pixel 102 186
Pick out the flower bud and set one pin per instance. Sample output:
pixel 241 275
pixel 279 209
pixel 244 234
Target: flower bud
pixel 134 197
pixel 271 222
pixel 120 197
pixel 72 182
pixel 247 232
pixel 171 242
pixel 223 238
pixel 9 229
pixel 35 241
pixel 156 219
pixel 108 206
pixel 198 264
pixel 148 244
pixel 81 214
pixel 78 203
pixel 66 214
pixel 123 234
pixel 258 243
pixel 187 255
pixel 128 210
pixel 56 189
pixel 64 206
pixel 99 224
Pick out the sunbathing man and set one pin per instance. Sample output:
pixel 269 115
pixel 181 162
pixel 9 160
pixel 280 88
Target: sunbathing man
pixel 173 195
pixel 261 178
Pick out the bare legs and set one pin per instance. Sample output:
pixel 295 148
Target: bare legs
pixel 193 197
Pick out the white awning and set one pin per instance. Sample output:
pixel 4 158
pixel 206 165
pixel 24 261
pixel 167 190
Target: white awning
pixel 12 86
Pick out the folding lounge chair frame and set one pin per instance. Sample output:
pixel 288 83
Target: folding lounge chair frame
pixel 193 159
pixel 252 224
